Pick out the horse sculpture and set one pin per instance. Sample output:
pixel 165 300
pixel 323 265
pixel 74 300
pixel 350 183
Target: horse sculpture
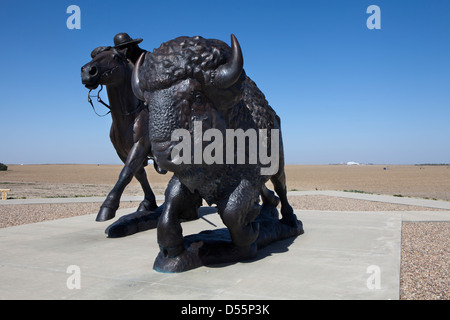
pixel 129 129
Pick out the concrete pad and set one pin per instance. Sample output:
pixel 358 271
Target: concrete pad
pixel 334 259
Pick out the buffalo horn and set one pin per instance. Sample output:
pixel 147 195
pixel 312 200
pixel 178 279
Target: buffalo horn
pixel 228 73
pixel 135 79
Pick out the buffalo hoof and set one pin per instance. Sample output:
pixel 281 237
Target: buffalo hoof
pixel 289 218
pixel 290 221
pixel 271 199
pixel 215 247
pixel 246 235
pixel 105 214
pixel 204 249
pixel 189 214
pixel 172 252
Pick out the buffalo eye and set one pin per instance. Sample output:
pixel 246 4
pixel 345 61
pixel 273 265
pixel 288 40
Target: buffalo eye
pixel 198 98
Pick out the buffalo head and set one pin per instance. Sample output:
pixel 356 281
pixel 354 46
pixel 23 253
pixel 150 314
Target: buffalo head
pixel 187 81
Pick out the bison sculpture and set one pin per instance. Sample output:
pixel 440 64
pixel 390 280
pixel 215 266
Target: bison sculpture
pixel 192 82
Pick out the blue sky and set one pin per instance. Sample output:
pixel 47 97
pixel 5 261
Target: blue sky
pixel 343 92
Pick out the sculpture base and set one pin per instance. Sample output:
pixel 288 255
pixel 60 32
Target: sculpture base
pixel 141 221
pixel 133 223
pixel 215 246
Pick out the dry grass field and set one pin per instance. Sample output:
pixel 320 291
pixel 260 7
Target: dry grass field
pixel 44 181
pixel 40 181
pixel 406 180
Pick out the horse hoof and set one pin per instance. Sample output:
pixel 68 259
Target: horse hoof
pixel 105 214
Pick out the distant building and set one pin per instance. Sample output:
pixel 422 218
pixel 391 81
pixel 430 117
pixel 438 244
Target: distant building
pixel 351 163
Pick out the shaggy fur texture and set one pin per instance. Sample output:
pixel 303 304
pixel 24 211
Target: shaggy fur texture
pixel 182 58
pixel 242 106
pixel 198 58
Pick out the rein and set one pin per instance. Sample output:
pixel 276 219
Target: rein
pixel 138 109
pixel 98 100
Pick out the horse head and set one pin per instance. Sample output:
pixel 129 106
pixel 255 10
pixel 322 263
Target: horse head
pixel 109 66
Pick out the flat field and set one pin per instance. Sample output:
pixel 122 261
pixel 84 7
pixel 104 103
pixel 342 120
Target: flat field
pixel 40 181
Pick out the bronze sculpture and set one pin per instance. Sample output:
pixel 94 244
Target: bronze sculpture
pixel 129 133
pixel 192 80
pixel 110 67
pixel 129 129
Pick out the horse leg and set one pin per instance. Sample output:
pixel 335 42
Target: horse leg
pixel 111 204
pixel 149 202
pixel 134 161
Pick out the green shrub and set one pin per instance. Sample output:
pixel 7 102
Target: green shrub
pixel 3 167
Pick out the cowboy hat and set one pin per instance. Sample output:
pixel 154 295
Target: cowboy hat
pixel 122 40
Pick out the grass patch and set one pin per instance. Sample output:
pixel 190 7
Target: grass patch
pixel 20 183
pixel 358 191
pixel 75 196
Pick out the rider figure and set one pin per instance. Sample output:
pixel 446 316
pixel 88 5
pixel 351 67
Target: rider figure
pixel 124 41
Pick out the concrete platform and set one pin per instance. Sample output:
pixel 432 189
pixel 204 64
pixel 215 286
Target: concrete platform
pixel 342 255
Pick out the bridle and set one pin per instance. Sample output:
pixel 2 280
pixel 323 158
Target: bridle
pixel 140 106
pixel 98 100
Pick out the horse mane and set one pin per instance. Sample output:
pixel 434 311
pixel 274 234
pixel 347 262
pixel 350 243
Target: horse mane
pixel 98 50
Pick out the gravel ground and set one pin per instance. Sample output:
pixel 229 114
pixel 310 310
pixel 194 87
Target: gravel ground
pixel 425 268
pixel 18 214
pixel 319 202
pixel 14 215
pixel 31 190
pixel 425 258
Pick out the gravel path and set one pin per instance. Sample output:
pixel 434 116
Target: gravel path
pixel 425 255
